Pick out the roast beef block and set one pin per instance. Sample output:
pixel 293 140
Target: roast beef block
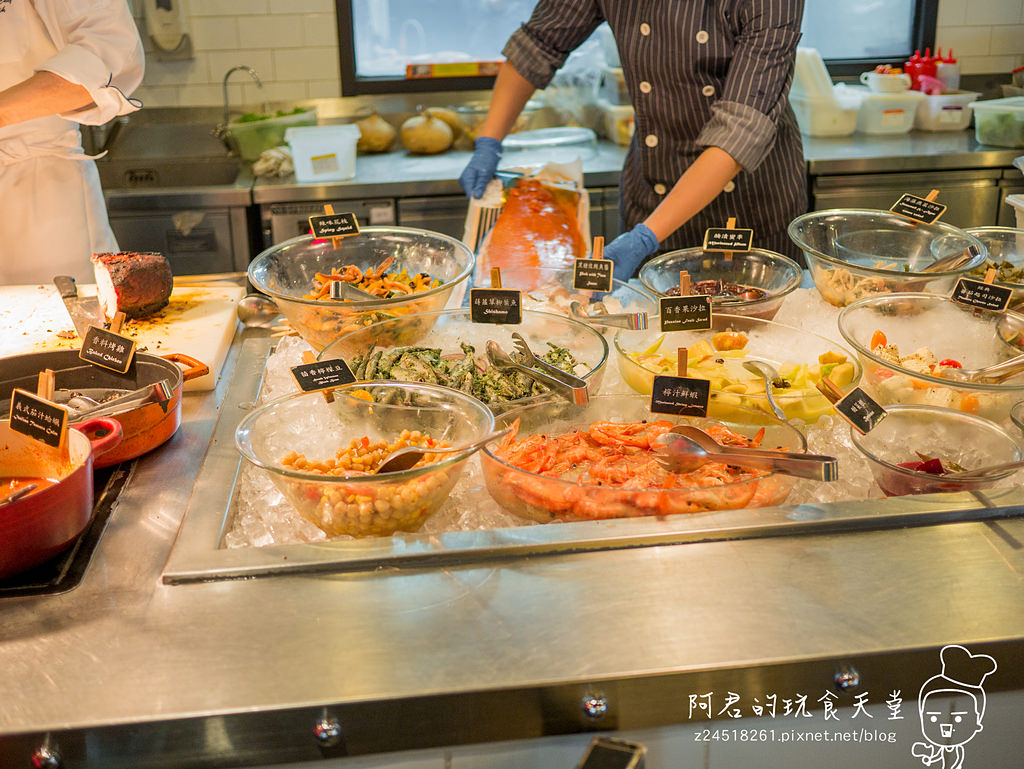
pixel 137 284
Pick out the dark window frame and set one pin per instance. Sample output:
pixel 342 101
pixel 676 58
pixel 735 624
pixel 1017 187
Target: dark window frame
pixel 925 19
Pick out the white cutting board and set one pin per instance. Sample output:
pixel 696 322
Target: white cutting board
pixel 199 321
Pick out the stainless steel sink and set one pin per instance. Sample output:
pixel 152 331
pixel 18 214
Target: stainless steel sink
pixel 152 173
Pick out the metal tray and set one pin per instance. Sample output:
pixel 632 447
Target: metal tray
pixel 198 553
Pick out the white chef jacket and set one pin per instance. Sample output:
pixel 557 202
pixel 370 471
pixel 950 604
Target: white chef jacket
pixel 52 214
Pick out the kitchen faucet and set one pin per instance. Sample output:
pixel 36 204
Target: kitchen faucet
pixel 252 74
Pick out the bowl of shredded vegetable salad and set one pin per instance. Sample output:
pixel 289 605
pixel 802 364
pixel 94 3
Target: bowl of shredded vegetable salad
pixel 853 253
pixel 402 270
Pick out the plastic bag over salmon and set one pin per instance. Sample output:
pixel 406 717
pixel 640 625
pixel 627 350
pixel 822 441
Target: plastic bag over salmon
pixel 539 220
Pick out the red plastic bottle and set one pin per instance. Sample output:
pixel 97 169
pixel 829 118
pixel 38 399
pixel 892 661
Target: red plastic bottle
pixel 913 68
pixel 929 63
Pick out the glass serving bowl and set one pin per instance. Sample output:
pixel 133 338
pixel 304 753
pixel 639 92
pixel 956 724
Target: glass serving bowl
pixel 362 505
pixel 286 272
pixel 546 498
pixel 852 253
pixel 1005 247
pixel 549 289
pixel 950 331
pixel 773 273
pixel 795 353
pixel 447 330
pixel 949 435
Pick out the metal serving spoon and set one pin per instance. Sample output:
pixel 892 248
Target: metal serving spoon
pixel 771 380
pixel 500 359
pixel 257 311
pixel 17 494
pixel 994 374
pixel 685 448
pixel 405 458
pixel 980 473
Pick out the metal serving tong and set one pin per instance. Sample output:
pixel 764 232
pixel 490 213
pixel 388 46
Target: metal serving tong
pixel 685 448
pixel 558 384
pixel 634 321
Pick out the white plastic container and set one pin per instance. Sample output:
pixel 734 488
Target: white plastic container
pixel 827 116
pixel 619 121
pixel 886 113
pixel 1000 122
pixel 1017 201
pixel 613 86
pixel 323 153
pixel 945 112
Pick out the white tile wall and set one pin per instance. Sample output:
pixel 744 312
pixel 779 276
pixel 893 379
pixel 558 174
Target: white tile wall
pixel 293 45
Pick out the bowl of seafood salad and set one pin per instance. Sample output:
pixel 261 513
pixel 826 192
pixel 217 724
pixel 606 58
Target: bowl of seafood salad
pixel 447 348
pixel 912 346
pixel 1005 246
pixel 402 270
pixel 721 353
pixel 594 462
pixel 750 283
pixel 550 289
pixel 853 253
pixel 922 449
pixel 323 455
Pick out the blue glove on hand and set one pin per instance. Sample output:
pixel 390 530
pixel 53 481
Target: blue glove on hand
pixel 629 249
pixel 481 167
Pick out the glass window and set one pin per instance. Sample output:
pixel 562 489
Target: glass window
pixel 387 46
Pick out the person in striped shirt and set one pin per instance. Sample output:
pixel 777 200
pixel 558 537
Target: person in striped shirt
pixel 715 136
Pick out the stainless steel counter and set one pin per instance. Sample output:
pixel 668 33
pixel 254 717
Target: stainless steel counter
pixel 127 670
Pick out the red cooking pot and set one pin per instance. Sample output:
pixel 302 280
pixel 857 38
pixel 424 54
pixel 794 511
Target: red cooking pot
pixel 39 526
pixel 145 427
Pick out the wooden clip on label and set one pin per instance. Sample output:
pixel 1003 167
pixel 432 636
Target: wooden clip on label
pixel 729 238
pixel 924 210
pixel 983 295
pixel 856 407
pixel 107 349
pixel 680 395
pixel 685 313
pixel 39 419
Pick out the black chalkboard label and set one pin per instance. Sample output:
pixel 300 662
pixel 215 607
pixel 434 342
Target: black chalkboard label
pixel 860 410
pixel 725 239
pixel 322 375
pixel 107 349
pixel 680 395
pixel 918 209
pixel 985 296
pixel 496 305
pixel 38 418
pixel 333 225
pixel 685 313
pixel 592 274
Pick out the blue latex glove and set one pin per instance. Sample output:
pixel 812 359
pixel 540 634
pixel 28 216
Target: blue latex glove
pixel 629 249
pixel 481 167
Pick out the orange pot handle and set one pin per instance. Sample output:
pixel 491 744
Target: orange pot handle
pixel 101 444
pixel 193 367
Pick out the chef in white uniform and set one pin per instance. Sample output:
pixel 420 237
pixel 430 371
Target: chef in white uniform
pixel 62 64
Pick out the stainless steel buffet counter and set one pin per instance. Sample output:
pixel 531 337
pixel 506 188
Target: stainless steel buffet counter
pixel 136 668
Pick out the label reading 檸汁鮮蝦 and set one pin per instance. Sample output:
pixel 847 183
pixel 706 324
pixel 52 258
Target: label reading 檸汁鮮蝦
pixel 333 225
pixel 984 296
pixel 685 313
pixel 496 305
pixel 919 209
pixel 592 274
pixel 728 239
pixel 38 418
pixel 860 410
pixel 322 375
pixel 680 395
pixel 106 349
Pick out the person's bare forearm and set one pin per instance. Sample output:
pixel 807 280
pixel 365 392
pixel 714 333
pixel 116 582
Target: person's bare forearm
pixel 511 92
pixel 44 93
pixel 698 186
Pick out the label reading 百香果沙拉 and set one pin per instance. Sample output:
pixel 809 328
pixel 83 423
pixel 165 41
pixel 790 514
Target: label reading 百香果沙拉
pixel 685 313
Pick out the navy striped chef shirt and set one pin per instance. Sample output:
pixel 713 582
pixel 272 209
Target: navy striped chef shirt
pixel 699 74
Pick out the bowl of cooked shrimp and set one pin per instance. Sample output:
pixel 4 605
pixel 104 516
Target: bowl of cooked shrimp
pixel 581 463
pixel 400 270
